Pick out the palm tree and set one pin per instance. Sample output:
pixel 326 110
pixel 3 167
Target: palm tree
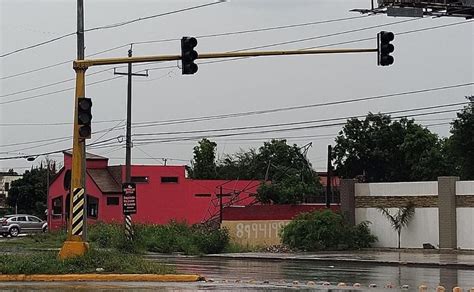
pixel 401 218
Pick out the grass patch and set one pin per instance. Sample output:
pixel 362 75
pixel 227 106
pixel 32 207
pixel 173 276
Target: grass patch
pixel 168 238
pixel 37 240
pixel 110 261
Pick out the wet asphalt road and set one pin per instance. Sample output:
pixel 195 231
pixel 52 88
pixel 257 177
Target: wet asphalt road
pixel 274 275
pixel 277 271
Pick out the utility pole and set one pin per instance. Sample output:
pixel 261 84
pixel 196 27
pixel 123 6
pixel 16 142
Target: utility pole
pixel 75 244
pixel 329 178
pixel 128 139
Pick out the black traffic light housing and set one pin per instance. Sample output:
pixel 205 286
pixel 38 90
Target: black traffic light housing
pixel 188 55
pixel 84 117
pixel 385 48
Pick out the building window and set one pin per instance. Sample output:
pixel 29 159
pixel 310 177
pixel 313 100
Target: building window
pixel 57 204
pixel 7 186
pixel 169 179
pixel 92 207
pixel 112 201
pixel 139 179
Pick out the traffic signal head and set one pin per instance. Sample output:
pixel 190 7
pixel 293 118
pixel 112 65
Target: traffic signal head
pixel 188 55
pixel 385 48
pixel 84 117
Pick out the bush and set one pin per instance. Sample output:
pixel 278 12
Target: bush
pixel 169 238
pixel 325 230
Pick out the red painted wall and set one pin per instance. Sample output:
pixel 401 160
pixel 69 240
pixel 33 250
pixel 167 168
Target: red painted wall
pixel 157 202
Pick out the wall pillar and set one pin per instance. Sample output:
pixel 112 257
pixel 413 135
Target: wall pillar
pixel 447 212
pixel 347 191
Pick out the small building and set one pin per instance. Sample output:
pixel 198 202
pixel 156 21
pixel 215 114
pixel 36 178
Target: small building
pixel 164 193
pixel 6 179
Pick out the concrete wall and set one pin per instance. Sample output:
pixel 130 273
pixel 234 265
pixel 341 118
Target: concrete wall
pixel 444 212
pixel 465 215
pixel 255 233
pixel 423 226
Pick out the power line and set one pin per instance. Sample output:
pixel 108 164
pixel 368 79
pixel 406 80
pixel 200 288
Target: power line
pixel 255 30
pixel 302 122
pixel 258 112
pixel 50 84
pixel 152 16
pixel 57 91
pixel 107 27
pixel 233 59
pixel 327 35
pixel 176 139
pixel 107 143
pixel 38 44
pixel 205 36
pixel 250 113
pixel 60 63
pixel 200 36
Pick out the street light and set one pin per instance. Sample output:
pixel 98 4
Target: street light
pixel 31 159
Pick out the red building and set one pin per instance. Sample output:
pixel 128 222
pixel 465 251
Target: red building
pixel 164 193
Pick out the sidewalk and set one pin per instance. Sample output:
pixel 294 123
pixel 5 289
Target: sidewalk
pixel 407 258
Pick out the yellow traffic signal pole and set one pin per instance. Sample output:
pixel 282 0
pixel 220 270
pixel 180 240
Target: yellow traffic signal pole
pixel 114 61
pixel 75 245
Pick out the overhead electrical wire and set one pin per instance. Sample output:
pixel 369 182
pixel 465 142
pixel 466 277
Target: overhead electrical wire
pixel 226 60
pixel 109 142
pixel 199 36
pixel 274 110
pixel 290 108
pixel 299 123
pixel 211 35
pixel 107 27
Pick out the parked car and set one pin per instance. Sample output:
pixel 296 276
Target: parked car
pixel 21 223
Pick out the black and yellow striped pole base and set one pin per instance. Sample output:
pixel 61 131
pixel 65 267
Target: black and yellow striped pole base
pixel 128 227
pixel 74 246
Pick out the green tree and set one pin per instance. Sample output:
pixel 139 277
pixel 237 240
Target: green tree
pixel 28 194
pixel 241 165
pixel 204 161
pixel 384 150
pixel 461 143
pixel 400 219
pixel 290 176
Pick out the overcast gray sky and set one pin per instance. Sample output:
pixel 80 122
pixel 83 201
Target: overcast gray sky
pixel 426 59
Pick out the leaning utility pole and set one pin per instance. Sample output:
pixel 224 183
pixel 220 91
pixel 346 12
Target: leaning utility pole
pixel 76 237
pixel 128 139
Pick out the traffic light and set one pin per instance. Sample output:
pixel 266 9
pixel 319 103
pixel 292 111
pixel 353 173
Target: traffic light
pixel 384 48
pixel 188 55
pixel 84 117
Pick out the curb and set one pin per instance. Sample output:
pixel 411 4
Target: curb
pixel 348 261
pixel 100 278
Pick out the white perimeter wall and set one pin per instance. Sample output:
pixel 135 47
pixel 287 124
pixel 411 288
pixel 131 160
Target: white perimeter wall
pixel 397 189
pixel 423 228
pixel 465 217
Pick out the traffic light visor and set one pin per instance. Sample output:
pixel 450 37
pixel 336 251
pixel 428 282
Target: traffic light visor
pixel 85 104
pixel 387 36
pixel 188 42
pixel 85 131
